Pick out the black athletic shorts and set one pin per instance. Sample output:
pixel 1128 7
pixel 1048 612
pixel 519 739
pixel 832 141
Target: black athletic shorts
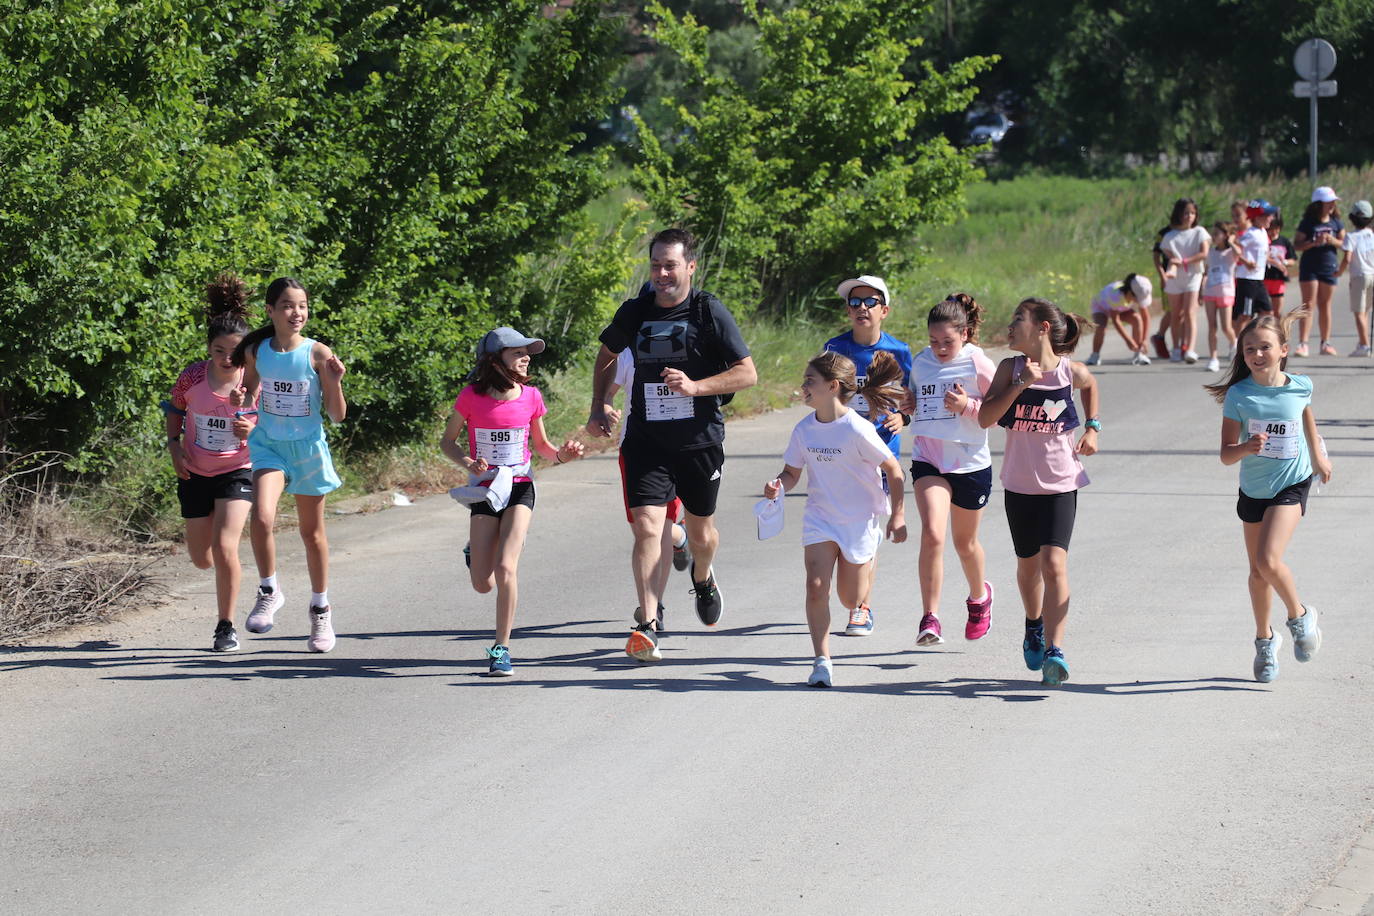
pixel 1040 520
pixel 1320 276
pixel 653 475
pixel 198 494
pixel 521 494
pixel 969 491
pixel 1251 299
pixel 1251 510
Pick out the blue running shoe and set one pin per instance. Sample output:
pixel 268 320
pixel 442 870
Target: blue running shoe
pixel 1056 669
pixel 1033 647
pixel 1267 657
pixel 1307 636
pixel 500 662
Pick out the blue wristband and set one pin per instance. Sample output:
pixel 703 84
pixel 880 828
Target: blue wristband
pixel 1094 424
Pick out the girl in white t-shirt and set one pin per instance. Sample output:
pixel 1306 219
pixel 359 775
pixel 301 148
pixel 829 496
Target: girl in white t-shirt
pixel 1358 256
pixel 845 461
pixel 1186 245
pixel 1219 290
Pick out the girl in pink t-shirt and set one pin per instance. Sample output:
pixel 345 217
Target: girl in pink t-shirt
pixel 504 419
pixel 214 481
pixel 1031 396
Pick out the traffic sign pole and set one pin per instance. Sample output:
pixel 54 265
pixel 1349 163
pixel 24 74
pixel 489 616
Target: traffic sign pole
pixel 1314 60
pixel 1312 121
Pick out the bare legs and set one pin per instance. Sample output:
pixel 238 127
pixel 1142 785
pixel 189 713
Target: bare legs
pixel 496 544
pixel 214 541
pixel 1265 543
pixel 1183 314
pixel 823 561
pixel 267 490
pixel 933 504
pixel 1044 584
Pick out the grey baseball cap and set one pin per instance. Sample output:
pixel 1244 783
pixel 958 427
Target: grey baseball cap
pixel 505 338
pixel 1362 209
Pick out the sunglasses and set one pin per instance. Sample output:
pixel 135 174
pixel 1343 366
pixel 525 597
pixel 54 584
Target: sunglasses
pixel 867 302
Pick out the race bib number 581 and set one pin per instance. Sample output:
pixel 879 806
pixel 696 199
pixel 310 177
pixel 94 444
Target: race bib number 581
pixel 663 403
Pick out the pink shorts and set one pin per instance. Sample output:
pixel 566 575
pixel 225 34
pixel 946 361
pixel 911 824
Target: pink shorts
pixel 1221 302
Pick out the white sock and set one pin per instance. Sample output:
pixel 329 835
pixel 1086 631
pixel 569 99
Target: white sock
pixel 682 541
pixel 270 583
pixel 319 599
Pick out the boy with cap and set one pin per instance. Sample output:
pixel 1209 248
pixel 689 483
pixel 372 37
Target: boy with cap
pixel 1251 296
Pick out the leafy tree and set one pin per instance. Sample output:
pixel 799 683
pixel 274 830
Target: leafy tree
pixel 821 167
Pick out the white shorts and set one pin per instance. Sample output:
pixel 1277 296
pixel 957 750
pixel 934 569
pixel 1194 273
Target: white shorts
pixel 858 541
pixel 1360 288
pixel 1188 282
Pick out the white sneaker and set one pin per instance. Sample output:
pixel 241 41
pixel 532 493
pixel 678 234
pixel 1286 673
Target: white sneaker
pixel 264 607
pixel 1213 365
pixel 1176 355
pixel 1190 357
pixel 1361 350
pixel 1141 359
pixel 820 673
pixel 321 630
pixel 1093 359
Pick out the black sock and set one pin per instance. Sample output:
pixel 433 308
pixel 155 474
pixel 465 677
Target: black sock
pixel 1035 624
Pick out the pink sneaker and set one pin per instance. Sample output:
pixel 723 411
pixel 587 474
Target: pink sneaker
pixel 321 630
pixel 979 614
pixel 930 631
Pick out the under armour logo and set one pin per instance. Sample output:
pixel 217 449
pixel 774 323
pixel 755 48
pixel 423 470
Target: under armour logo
pixel 662 339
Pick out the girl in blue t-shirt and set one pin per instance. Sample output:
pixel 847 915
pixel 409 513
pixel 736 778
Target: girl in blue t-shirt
pixel 1267 425
pixel 867 305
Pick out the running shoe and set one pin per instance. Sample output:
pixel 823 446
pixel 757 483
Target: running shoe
pixel 642 646
pixel 820 673
pixel 1267 657
pixel 1176 355
pixel 1307 636
pixel 467 555
pixel 929 634
pixel 1056 670
pixel 1033 647
pixel 1213 365
pixel 1161 347
pixel 268 602
pixel 659 624
pixel 1300 349
pixel 321 630
pixel 709 602
pixel 1327 349
pixel 1190 356
pixel 681 555
pixel 1142 358
pixel 500 662
pixel 979 614
pixel 1361 350
pixel 226 640
pixel 1093 359
pixel 860 622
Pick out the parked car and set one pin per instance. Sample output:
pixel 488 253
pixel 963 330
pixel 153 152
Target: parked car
pixel 984 126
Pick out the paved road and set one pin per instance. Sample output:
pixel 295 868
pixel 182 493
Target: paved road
pixel 140 773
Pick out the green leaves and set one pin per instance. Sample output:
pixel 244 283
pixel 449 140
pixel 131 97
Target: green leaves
pixel 820 167
pixel 416 166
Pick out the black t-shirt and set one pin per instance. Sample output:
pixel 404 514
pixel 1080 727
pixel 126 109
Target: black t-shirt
pixel 1280 249
pixel 1323 258
pixel 698 336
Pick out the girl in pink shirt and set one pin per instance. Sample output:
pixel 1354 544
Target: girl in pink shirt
pixel 1031 396
pixel 214 481
pixel 504 419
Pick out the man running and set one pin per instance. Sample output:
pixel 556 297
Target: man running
pixel 689 354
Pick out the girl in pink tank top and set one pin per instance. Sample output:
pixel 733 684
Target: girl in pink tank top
pixel 214 484
pixel 1031 396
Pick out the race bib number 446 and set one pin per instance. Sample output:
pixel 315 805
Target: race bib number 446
pixel 1282 441
pixel 663 403
pixel 286 397
pixel 501 446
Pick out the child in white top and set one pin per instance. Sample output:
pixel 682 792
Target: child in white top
pixel 951 467
pixel 845 460
pixel 1121 303
pixel 1219 290
pixel 1357 254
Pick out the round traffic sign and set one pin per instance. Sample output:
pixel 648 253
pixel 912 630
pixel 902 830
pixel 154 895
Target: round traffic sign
pixel 1314 59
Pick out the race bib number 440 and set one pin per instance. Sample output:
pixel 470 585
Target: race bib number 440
pixel 286 397
pixel 1282 441
pixel 215 435
pixel 663 403
pixel 501 446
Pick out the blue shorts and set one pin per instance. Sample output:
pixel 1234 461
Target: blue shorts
pixel 1325 277
pixel 968 491
pixel 307 464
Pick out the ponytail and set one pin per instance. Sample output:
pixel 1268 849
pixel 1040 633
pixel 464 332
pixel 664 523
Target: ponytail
pixel 226 308
pixel 960 311
pixel 883 386
pixel 253 338
pixel 1064 328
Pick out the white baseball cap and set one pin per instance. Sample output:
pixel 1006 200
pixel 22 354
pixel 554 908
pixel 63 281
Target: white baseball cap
pixel 1324 194
pixel 1142 290
pixel 876 282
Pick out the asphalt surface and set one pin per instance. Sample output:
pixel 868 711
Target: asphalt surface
pixel 141 773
